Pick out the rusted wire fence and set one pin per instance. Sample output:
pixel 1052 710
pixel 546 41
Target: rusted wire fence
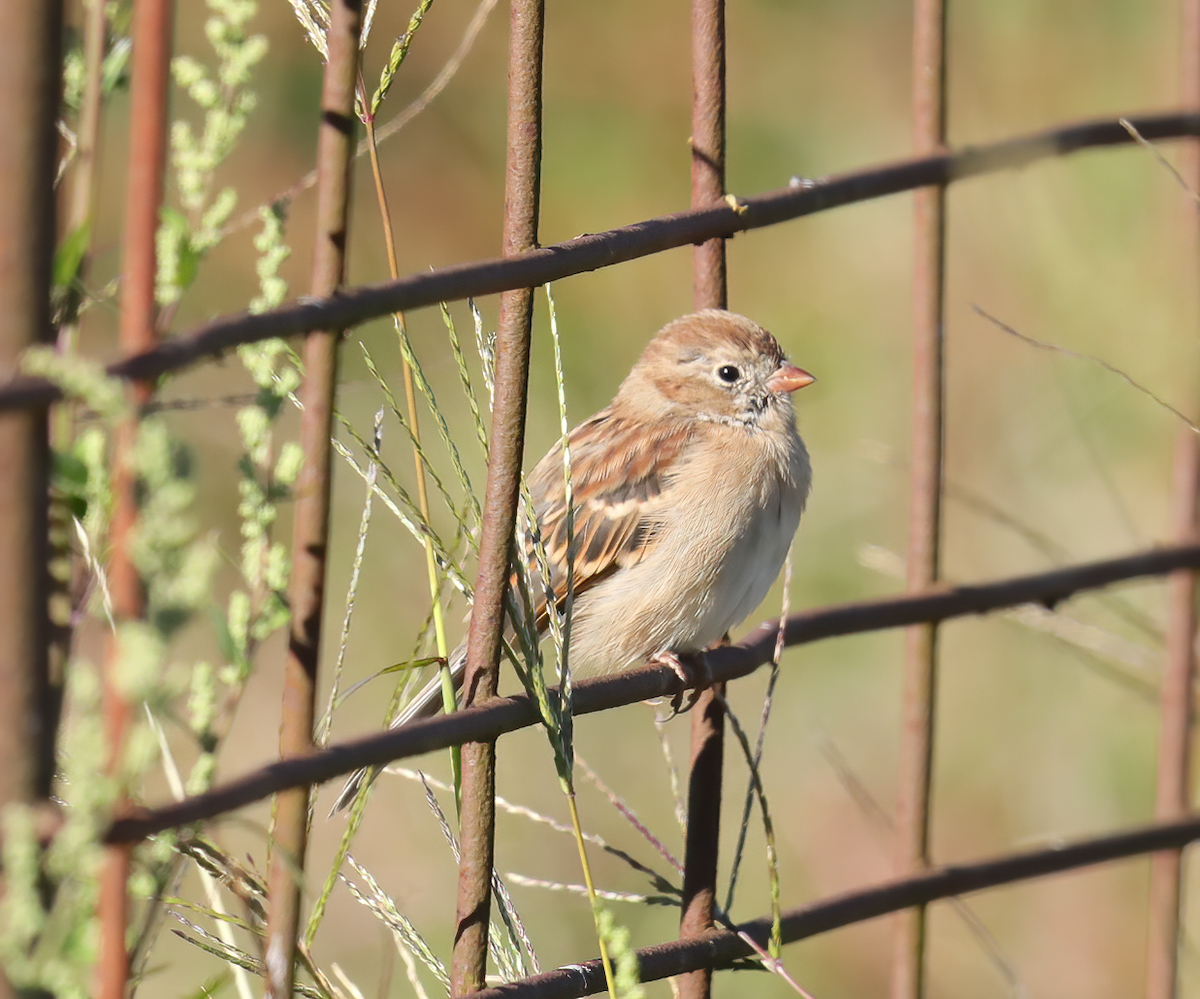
pixel 331 309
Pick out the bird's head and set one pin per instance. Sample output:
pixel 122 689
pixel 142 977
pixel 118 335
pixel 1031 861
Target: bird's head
pixel 714 365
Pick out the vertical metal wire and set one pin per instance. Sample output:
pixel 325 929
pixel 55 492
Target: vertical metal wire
pixel 521 202
pixel 150 78
pixel 708 291
pixel 708 145
pixel 310 530
pixel 920 660
pixel 1172 787
pixel 29 93
pixel 29 86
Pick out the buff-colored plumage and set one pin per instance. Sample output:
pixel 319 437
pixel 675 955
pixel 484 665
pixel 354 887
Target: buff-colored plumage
pixel 688 489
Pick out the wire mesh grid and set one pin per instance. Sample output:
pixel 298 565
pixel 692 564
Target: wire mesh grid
pixel 713 218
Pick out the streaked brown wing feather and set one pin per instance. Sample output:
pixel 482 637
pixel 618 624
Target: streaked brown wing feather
pixel 618 474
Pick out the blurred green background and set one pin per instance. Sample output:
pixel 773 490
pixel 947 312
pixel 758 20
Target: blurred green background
pixel 1036 739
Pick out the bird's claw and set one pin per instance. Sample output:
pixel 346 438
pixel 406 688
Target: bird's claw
pixel 694 672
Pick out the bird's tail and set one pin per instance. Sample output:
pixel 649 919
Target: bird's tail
pixel 426 703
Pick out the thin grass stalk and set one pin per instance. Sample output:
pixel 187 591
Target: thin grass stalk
pixel 357 812
pixel 664 745
pixel 321 734
pixel 464 374
pixel 764 717
pixel 382 904
pixel 630 816
pixel 562 735
pixel 410 516
pixel 925 493
pixel 708 292
pixel 150 79
pixel 505 954
pixel 208 882
pixel 590 884
pixel 310 535
pixel 659 881
pixel 80 208
pixel 394 124
pixel 522 185
pixel 449 695
pixel 460 470
pixel 413 438
pixel 562 630
pixel 1172 798
pixel 775 942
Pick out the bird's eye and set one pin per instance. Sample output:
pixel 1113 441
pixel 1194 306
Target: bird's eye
pixel 728 373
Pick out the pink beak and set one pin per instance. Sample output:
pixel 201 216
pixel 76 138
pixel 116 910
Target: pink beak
pixel 789 378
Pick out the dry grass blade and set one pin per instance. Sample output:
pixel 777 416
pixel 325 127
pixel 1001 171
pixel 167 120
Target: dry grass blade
pixel 380 903
pixel 1153 149
pixel 428 467
pixel 664 745
pixel 1067 352
pixel 882 823
pixel 629 814
pixel 1130 664
pixel 464 374
pixel 505 952
pixel 764 717
pixel 660 883
pixel 394 124
pixel 775 944
pixel 411 518
pixel 325 724
pixel 611 896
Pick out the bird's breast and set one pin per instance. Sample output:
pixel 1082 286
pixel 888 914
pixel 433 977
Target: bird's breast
pixel 721 541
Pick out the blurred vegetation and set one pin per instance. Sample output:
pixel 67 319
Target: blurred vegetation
pixel 1036 741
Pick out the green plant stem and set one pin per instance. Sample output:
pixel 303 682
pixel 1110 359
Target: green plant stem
pixel 449 698
pixel 591 890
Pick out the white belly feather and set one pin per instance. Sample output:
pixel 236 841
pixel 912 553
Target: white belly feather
pixel 729 564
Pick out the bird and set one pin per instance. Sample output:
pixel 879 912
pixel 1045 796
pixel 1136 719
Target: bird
pixel 687 490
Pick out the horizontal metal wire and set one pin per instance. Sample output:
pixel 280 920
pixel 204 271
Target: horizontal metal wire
pixel 720 948
pixel 595 250
pixel 508 714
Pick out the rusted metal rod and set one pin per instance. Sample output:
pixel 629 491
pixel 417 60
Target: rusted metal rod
pixel 507 714
pixel 29 94
pixel 709 291
pixel 149 82
pixel 925 493
pixel 29 97
pixel 595 250
pixel 720 948
pixel 522 190
pixel 708 145
pixel 310 530
pixel 1172 795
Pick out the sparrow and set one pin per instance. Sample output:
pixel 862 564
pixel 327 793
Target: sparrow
pixel 687 491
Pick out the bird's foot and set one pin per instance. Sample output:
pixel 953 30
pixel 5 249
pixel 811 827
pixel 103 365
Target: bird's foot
pixel 693 670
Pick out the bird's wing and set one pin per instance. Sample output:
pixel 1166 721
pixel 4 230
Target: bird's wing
pixel 619 475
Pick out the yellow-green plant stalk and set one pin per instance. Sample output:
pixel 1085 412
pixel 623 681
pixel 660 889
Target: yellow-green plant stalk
pixel 563 731
pixel 449 699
